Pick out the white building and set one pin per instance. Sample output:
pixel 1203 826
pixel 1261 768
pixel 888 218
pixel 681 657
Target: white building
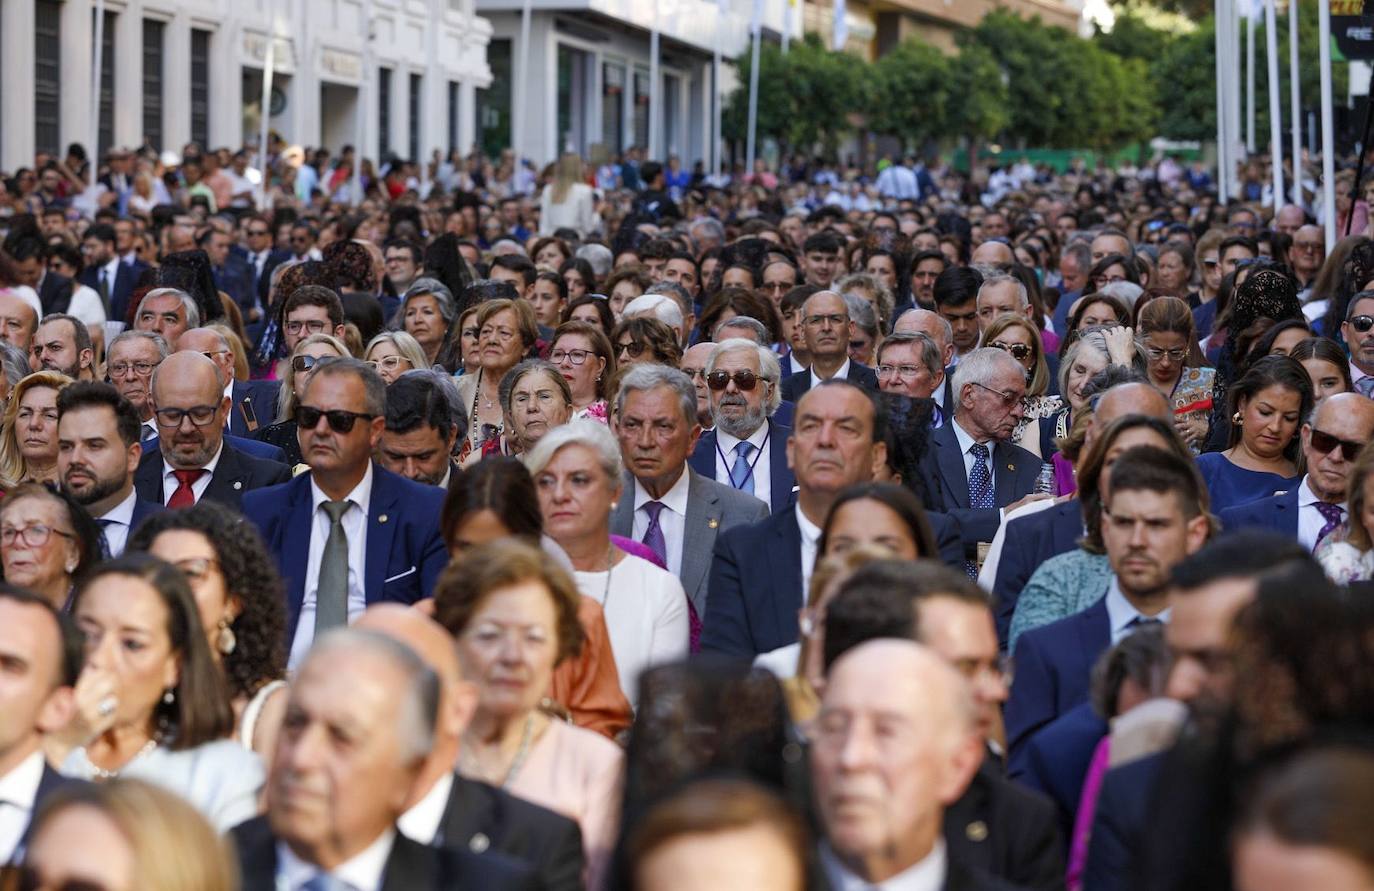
pixel 175 71
pixel 589 72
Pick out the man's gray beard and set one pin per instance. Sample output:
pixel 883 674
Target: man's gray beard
pixel 744 426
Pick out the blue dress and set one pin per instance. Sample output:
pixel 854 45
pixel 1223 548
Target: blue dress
pixel 1231 485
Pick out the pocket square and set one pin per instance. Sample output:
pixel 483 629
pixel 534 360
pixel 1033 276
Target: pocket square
pixel 410 571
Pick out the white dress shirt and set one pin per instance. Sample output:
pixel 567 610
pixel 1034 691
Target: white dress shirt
pixel 169 478
pixel 355 527
pixel 421 822
pixel 1121 613
pixel 926 874
pixel 672 520
pixel 841 374
pixel 793 366
pixel 18 788
pixel 759 459
pixel 364 872
pixel 109 272
pixel 116 524
pixel 810 538
pixel 1310 520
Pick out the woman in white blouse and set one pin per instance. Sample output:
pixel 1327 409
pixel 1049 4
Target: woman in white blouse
pixel 577 473
pixel 568 202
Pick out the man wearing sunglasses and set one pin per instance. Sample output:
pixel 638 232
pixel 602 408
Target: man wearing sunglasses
pixel 252 404
pixel 747 447
pixel 191 459
pixel 1332 438
pixel 349 532
pixel 1358 332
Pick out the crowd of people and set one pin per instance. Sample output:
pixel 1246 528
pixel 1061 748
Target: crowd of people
pixel 636 528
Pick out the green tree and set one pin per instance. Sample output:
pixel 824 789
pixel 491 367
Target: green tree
pixel 911 94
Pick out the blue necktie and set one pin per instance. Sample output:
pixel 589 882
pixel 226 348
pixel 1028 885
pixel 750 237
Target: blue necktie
pixel 979 492
pixel 653 536
pixel 742 474
pixel 325 882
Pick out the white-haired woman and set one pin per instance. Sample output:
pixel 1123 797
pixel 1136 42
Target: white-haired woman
pixel 393 353
pixel 577 473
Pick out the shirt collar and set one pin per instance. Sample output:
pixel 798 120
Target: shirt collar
pixel 926 874
pixel 728 442
pixel 421 822
pixel 361 494
pixel 841 373
pixel 19 787
pixel 1306 496
pixel 1121 613
pixel 966 439
pixel 124 511
pixel 209 468
pixel 112 269
pixel 675 499
pixel 363 871
pixel 810 532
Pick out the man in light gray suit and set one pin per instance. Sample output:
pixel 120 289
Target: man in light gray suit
pixel 668 506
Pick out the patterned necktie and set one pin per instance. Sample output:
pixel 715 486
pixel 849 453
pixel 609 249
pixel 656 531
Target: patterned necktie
pixel 653 536
pixel 331 590
pixel 1332 515
pixel 1365 385
pixel 184 496
pixel 742 474
pixel 105 525
pixel 980 494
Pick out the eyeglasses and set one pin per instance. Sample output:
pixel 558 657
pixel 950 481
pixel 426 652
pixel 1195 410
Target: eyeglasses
pixel 1307 246
pixel 905 372
pixel 211 354
pixel 693 373
pixel 1155 354
pixel 390 363
pixel 200 415
pixel 634 349
pixel 26 878
pixel 1007 397
pixel 340 421
pixel 1323 443
pixel 1018 351
pixel 301 364
pixel 314 326
pixel 120 369
pixel 34 535
pixel 745 380
pixel 1361 323
pixel 1001 670
pixel 575 357
pixel 776 286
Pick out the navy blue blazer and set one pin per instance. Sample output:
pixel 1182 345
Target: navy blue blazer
pixel 142 511
pixel 126 279
pixel 256 448
pixel 236 474
pixel 1029 542
pixel 1121 823
pixel 405 552
pixel 254 407
pixel 1055 760
pixel 703 461
pixel 1277 512
pixel 1014 473
pixel 796 384
pixel 1052 667
pixel 756 584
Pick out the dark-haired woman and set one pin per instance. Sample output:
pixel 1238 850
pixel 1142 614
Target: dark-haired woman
pixel 151 702
pixel 241 603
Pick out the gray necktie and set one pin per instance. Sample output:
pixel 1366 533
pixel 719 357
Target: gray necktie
pixel 331 593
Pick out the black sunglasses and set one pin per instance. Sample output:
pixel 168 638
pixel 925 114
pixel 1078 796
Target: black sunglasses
pixel 1325 442
pixel 1018 351
pixel 26 878
pixel 719 380
pixel 635 349
pixel 1361 323
pixel 340 421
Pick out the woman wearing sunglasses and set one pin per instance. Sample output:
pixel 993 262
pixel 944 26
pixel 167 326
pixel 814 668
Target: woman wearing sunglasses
pixel 393 353
pixel 308 353
pixel 1176 367
pixel 1017 336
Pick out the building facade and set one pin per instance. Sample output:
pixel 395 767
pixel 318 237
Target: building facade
pixel 178 71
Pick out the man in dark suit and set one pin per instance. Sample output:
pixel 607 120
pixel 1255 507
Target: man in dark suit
pixel 129 362
pixel 262 259
pixel 97 453
pixel 882 806
pixel 995 825
pixel 420 430
pixel 231 274
pixel 42 651
pixel 760 574
pixel 29 254
pixel 826 327
pixel 111 278
pixel 673 509
pixel 1152 519
pixel 746 448
pixel 909 365
pixel 972 470
pixel 934 326
pixel 191 459
pixel 252 404
pixel 332 808
pixel 445 809
pixel 348 533
pixel 1340 427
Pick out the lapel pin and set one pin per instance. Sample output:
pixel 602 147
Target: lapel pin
pixel 479 843
pixel 1009 467
pixel 238 485
pixel 382 518
pixel 713 523
pixel 976 831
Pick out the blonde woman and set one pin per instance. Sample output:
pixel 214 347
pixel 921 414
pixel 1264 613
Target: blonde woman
pixel 568 202
pixel 28 438
pixel 393 353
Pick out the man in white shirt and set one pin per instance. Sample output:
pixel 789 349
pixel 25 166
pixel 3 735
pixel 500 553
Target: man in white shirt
pixel 358 730
pixel 98 451
pixel 895 744
pixel 42 654
pixel 826 327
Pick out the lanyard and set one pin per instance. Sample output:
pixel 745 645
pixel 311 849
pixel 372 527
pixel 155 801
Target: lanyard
pixel 758 453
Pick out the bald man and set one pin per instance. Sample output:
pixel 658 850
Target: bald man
pixel 1034 537
pixel 252 404
pixel 191 459
pixel 992 253
pixel 895 744
pixel 446 810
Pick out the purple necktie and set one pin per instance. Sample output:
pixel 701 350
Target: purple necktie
pixel 653 536
pixel 1332 514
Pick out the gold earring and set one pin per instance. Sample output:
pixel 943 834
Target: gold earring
pixel 1237 420
pixel 225 640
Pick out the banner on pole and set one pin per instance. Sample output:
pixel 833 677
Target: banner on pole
pixel 1353 28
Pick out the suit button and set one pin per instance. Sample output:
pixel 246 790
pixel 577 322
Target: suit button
pixel 238 485
pixel 479 843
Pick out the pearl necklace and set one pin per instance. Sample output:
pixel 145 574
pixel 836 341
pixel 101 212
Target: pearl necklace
pixel 101 773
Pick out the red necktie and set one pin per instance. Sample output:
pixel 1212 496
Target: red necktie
pixel 183 496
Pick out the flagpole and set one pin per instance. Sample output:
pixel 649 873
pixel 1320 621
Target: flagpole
pixel 1271 50
pixel 1295 101
pixel 755 28
pixel 1223 148
pixel 365 92
pixel 655 93
pixel 99 63
pixel 269 65
pixel 716 98
pixel 1328 126
pixel 1250 76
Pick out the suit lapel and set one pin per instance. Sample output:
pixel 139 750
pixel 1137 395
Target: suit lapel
pixel 465 814
pixel 382 518
pixel 148 477
pixel 623 517
pixel 295 545
pixel 951 462
pixel 1006 469
pixel 409 867
pixel 703 457
pixel 780 475
pixel 228 480
pixel 1094 630
pixel 699 535
pixel 784 557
